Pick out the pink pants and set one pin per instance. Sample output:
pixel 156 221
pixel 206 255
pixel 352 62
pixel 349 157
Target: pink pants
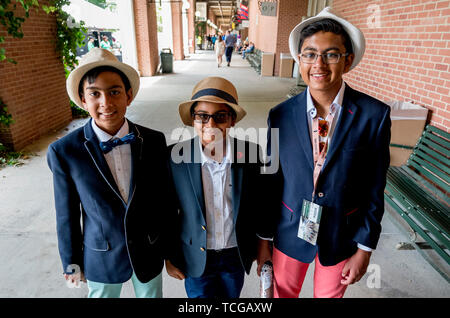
pixel 289 275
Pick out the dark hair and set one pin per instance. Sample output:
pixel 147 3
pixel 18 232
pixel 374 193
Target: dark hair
pixel 92 75
pixel 326 25
pixel 232 111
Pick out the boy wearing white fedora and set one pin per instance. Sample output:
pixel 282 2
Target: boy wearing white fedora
pixel 105 176
pixel 218 188
pixel 334 154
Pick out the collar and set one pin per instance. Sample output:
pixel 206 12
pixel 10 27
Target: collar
pixel 205 159
pixel 337 102
pixel 104 136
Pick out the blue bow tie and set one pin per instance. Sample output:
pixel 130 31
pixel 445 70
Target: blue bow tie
pixel 107 146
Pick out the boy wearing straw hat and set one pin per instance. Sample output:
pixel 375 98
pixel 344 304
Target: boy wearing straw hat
pixel 217 181
pixel 105 176
pixel 334 153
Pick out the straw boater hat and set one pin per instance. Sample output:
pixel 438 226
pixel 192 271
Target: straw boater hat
pixel 95 58
pixel 355 34
pixel 214 90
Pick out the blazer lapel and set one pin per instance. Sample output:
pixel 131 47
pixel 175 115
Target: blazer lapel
pixel 92 146
pixel 136 157
pixel 348 113
pixel 194 169
pixel 301 123
pixel 237 172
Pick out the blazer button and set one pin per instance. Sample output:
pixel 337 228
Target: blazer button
pixel 202 249
pixel 320 194
pixel 203 228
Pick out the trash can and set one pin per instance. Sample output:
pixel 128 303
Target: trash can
pixel 267 62
pixel 286 65
pixel 166 60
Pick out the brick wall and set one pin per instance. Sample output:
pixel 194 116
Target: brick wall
pixel 146 37
pixel 407 52
pixel 34 89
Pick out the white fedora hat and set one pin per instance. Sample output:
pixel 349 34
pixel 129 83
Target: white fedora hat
pixel 212 89
pixel 95 58
pixel 355 34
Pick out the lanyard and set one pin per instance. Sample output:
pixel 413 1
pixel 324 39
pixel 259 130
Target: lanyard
pixel 320 156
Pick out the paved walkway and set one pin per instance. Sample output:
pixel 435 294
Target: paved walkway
pixel 29 261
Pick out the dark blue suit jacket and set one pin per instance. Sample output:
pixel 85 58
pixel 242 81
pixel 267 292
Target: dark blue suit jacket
pixel 351 183
pixel 248 209
pixel 113 238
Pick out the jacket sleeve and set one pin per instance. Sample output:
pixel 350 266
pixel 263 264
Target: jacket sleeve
pixel 368 233
pixel 68 213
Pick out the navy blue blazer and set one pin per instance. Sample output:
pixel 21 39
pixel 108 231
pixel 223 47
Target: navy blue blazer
pixel 351 184
pixel 113 238
pixel 248 209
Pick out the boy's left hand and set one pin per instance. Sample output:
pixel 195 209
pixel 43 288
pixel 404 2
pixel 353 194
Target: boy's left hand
pixel 356 267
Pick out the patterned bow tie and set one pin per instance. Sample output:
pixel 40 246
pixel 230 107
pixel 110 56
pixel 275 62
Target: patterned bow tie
pixel 107 146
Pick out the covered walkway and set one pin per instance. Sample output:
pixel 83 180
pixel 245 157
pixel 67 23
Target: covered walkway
pixel 30 265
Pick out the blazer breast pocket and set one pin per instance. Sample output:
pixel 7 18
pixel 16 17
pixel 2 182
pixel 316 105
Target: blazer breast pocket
pixel 97 245
pixel 153 238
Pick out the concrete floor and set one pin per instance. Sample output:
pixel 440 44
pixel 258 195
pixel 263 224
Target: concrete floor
pixel 29 261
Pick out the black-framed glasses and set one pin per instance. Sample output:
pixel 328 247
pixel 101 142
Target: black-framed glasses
pixel 327 58
pixel 219 118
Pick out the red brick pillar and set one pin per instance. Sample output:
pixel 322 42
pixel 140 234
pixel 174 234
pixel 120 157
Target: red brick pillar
pixel 191 26
pixel 177 30
pixel 34 89
pixel 146 37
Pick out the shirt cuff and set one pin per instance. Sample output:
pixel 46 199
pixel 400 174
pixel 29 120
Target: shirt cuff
pixel 364 248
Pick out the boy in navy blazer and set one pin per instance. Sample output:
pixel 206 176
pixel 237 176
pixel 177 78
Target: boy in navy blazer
pixel 218 185
pixel 333 150
pixel 111 184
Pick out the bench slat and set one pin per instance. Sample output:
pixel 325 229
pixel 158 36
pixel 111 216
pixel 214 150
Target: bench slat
pixel 419 163
pixel 422 219
pixel 433 153
pixel 433 210
pixel 418 229
pixel 437 139
pixel 438 131
pixel 441 197
pixel 443 170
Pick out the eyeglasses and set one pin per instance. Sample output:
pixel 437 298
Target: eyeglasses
pixel 219 118
pixel 327 58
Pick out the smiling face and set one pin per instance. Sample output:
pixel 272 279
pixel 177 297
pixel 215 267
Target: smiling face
pixel 208 132
pixel 106 100
pixel 320 77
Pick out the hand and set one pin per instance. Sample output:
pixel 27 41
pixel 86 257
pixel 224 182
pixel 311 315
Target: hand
pixel 73 280
pixel 356 267
pixel 264 254
pixel 173 271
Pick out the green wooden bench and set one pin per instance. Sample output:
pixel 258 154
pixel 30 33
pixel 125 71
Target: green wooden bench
pixel 419 190
pixel 254 59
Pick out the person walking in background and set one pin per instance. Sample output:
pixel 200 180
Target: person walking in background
pixel 219 48
pixel 105 44
pixel 230 42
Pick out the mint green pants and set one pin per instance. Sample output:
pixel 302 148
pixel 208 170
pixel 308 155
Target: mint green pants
pixel 152 289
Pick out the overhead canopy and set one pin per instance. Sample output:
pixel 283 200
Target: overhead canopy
pixel 92 15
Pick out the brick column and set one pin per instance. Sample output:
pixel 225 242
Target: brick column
pixel 191 26
pixel 34 89
pixel 146 37
pixel 177 30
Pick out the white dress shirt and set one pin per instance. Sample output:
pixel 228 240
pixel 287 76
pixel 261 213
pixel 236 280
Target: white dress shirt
pixel 118 159
pixel 216 177
pixel 337 105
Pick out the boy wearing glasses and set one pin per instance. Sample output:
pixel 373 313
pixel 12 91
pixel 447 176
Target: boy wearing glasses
pixel 334 153
pixel 217 181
